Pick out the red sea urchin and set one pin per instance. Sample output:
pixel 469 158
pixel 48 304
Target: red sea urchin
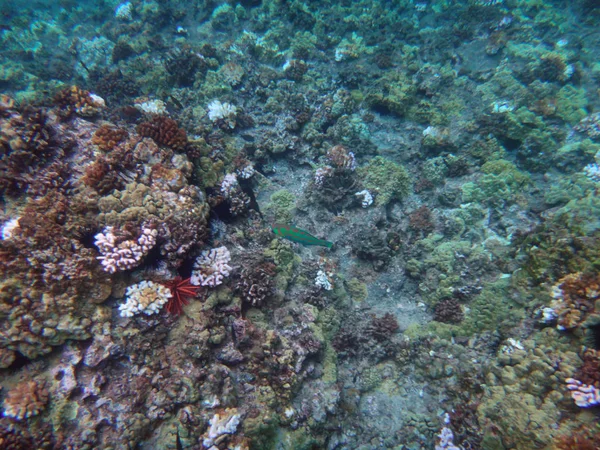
pixel 181 289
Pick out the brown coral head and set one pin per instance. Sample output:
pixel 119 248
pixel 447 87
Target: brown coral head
pixel 164 131
pixel 575 298
pixel 421 221
pixel 384 327
pixel 108 137
pixel 341 157
pixel 79 101
pixel 448 310
pixel 257 282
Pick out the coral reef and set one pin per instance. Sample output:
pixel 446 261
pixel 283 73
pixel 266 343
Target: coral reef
pixel 144 302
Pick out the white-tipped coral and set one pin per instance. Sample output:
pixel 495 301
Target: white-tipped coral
pixel 221 424
pixel 147 297
pixel 367 198
pixel 124 11
pixel 245 172
pixel 211 267
pixel 26 399
pixel 323 281
pixel 126 254
pixel 9 228
pixel 218 111
pixel 584 395
pixel 229 185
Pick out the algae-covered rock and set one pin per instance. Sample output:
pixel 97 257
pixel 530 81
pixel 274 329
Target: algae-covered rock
pixel 281 206
pixel 386 178
pixel 571 103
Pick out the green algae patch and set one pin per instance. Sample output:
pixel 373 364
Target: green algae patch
pixel 388 179
pixel 500 184
pixel 571 104
pixel 492 310
pixel 281 206
pixel 357 290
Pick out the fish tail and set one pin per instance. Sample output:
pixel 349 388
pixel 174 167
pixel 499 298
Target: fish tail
pixel 328 244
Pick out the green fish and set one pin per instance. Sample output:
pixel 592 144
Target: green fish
pixel 297 235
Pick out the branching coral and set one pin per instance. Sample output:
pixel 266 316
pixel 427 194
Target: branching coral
pixel 108 137
pixel 574 299
pixel 145 297
pixel 448 310
pixel 26 399
pixel 79 101
pixel 211 267
pixel 27 142
pixel 182 215
pixel 164 131
pixel 121 252
pixel 183 65
pixel 47 249
pixel 584 395
pixel 256 281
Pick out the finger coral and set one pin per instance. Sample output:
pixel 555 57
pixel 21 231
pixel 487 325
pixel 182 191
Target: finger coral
pixel 26 399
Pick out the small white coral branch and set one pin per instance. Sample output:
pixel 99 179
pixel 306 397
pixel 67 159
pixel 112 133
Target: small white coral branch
pixel 321 174
pixel 246 172
pixel 367 198
pixel 322 280
pixel 124 11
pixel 9 228
pixel 221 424
pixel 211 267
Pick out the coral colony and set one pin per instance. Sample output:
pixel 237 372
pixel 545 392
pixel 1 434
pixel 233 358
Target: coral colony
pixel 300 225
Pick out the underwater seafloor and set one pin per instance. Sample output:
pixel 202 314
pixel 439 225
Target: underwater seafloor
pixel 157 155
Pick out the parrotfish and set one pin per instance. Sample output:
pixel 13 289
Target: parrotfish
pixel 297 235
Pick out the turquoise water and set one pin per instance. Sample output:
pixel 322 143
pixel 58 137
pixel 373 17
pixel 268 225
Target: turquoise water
pixel 173 174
